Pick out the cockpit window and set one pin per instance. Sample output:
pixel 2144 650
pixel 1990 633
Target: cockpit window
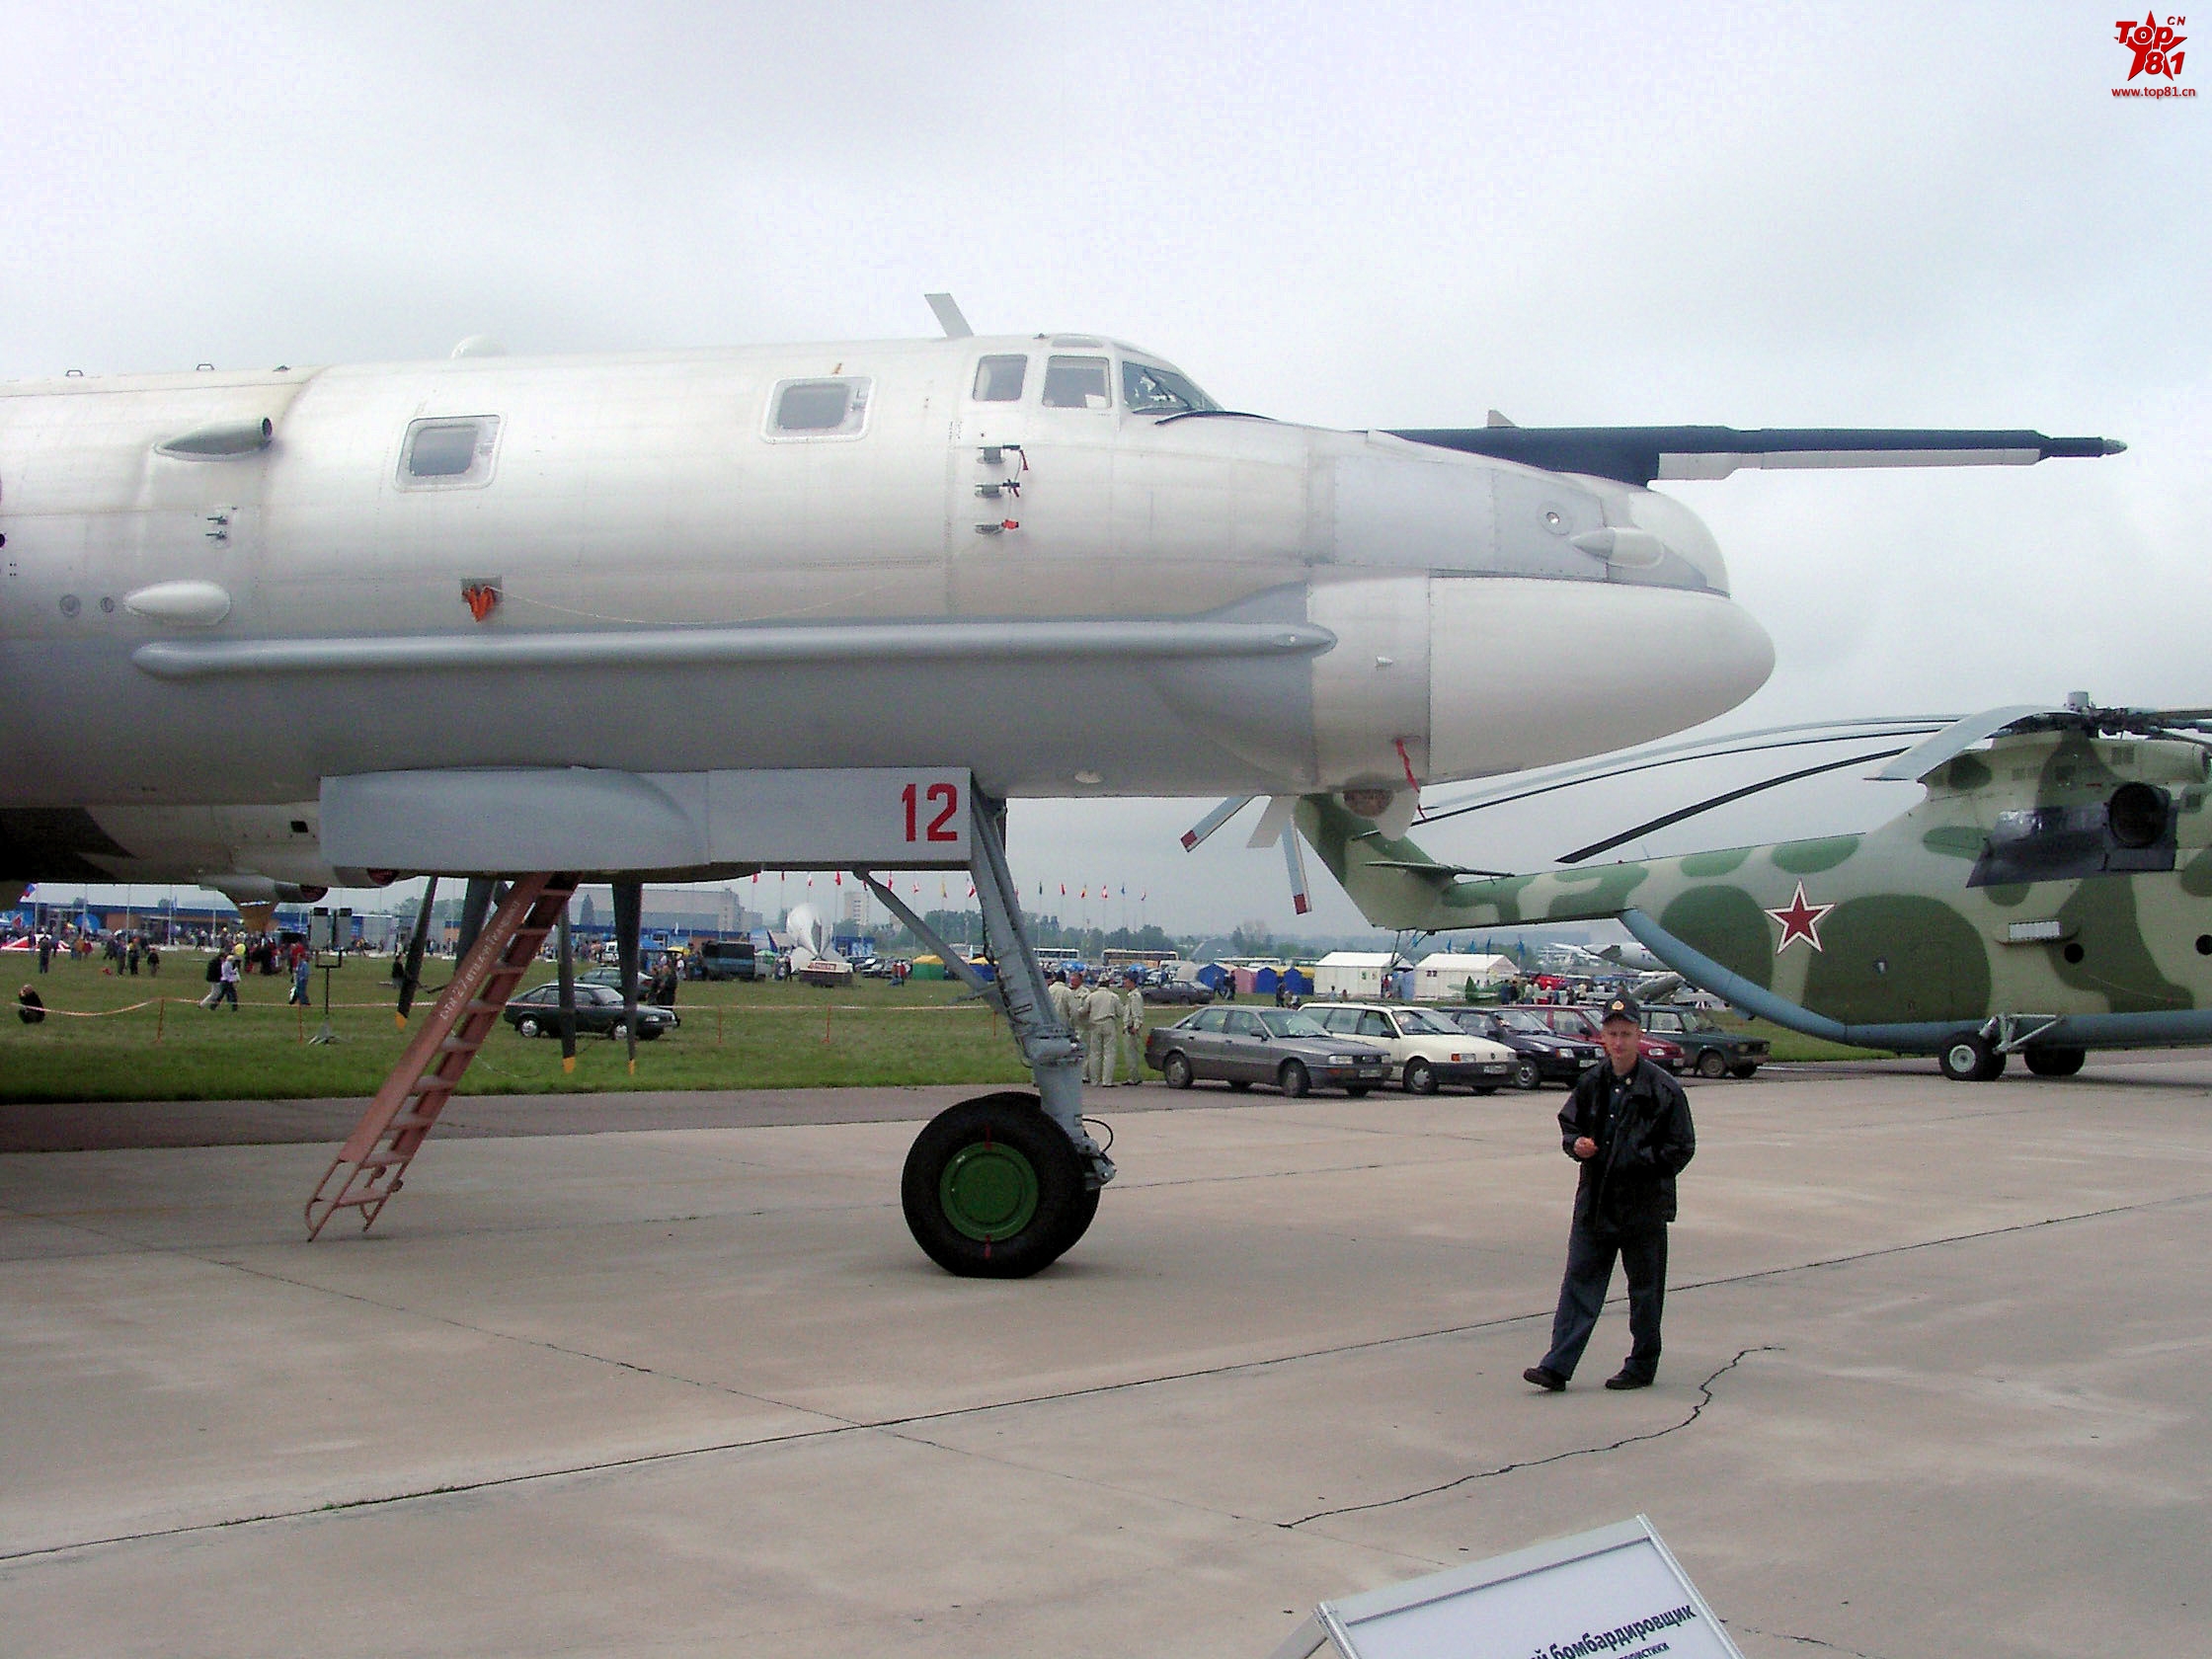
pixel 1149 389
pixel 1077 383
pixel 998 379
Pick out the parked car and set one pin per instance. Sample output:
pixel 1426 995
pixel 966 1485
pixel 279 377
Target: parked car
pixel 1247 1046
pixel 1584 1022
pixel 1426 1052
pixel 1178 991
pixel 1713 1051
pixel 1540 1054
pixel 598 1012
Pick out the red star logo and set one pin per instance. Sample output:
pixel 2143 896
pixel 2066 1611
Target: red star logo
pixel 1799 920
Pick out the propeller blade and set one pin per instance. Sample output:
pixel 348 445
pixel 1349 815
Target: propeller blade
pixel 1214 820
pixel 1274 821
pixel 1706 805
pixel 1293 860
pixel 1956 738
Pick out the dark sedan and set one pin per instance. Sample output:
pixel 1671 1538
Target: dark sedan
pixel 598 1013
pixel 1247 1046
pixel 1540 1054
pixel 1178 990
pixel 1714 1050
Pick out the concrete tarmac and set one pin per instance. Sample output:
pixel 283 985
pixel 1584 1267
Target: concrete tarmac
pixel 1935 1380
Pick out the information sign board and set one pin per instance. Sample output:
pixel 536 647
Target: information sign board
pixel 1614 1593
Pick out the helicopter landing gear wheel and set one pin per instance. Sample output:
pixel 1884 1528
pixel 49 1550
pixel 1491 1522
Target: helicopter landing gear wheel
pixel 2054 1062
pixel 1971 1059
pixel 994 1189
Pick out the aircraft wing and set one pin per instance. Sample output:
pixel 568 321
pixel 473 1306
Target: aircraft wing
pixel 1642 454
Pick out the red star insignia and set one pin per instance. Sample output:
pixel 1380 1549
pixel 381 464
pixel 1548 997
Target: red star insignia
pixel 1799 920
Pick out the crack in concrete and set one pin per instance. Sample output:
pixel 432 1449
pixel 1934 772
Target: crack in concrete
pixel 1809 1642
pixel 1705 1398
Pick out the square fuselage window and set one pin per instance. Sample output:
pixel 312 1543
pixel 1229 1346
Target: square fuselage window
pixel 449 452
pixel 826 408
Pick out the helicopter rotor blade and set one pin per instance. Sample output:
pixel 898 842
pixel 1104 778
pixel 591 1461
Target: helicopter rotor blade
pixel 1956 738
pixel 1721 799
pixel 1653 764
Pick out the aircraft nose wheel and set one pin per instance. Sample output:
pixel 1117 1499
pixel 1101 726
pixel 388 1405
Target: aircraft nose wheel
pixel 994 1189
pixel 1971 1059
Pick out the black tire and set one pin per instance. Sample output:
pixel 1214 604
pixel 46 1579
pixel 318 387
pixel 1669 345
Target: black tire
pixel 2054 1062
pixel 1971 1059
pixel 1293 1079
pixel 1420 1077
pixel 992 1189
pixel 526 1027
pixel 1241 1084
pixel 1743 1069
pixel 1712 1064
pixel 1527 1074
pixel 1176 1070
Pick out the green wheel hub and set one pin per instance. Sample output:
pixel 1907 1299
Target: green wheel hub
pixel 989 1191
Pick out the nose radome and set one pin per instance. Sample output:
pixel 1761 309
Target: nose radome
pixel 1528 674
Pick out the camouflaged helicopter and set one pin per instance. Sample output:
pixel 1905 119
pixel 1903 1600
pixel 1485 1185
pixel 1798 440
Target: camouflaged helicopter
pixel 2049 895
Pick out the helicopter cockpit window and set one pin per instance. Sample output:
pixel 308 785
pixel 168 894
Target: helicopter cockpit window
pixel 449 453
pixel 998 379
pixel 1149 389
pixel 1077 383
pixel 819 407
pixel 2132 832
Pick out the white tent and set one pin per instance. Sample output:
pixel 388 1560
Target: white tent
pixel 1443 976
pixel 1351 974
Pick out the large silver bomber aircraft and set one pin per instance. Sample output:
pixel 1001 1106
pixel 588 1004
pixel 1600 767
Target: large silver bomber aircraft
pixel 273 631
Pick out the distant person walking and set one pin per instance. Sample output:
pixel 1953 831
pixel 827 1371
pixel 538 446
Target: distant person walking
pixel 302 965
pixel 1627 1123
pixel 46 953
pixel 227 974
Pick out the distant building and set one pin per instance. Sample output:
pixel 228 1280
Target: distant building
pixel 1361 974
pixel 1443 976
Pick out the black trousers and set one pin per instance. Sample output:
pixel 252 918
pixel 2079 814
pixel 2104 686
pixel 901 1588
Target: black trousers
pixel 1582 1293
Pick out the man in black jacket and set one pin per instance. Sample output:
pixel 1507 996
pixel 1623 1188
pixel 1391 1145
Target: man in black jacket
pixel 1627 1123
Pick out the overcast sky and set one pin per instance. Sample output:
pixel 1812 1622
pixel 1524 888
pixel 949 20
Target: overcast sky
pixel 1359 215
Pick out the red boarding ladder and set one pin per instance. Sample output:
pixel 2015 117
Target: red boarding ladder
pixel 368 1168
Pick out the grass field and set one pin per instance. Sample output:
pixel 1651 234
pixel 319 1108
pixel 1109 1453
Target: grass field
pixel 146 1039
pixel 113 1037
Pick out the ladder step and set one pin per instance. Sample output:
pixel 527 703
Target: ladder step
pixel 410 1120
pixel 382 1160
pixel 460 1045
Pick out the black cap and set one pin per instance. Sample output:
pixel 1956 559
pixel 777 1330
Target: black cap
pixel 1623 1006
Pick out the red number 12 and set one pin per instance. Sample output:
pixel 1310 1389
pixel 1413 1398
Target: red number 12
pixel 949 794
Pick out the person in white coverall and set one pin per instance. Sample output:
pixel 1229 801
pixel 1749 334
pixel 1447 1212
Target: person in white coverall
pixel 1073 1005
pixel 1133 1028
pixel 1102 1019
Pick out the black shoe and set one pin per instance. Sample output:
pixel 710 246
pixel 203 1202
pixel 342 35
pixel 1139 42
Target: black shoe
pixel 1628 1379
pixel 1544 1377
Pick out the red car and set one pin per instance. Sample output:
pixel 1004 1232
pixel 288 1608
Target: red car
pixel 1584 1022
